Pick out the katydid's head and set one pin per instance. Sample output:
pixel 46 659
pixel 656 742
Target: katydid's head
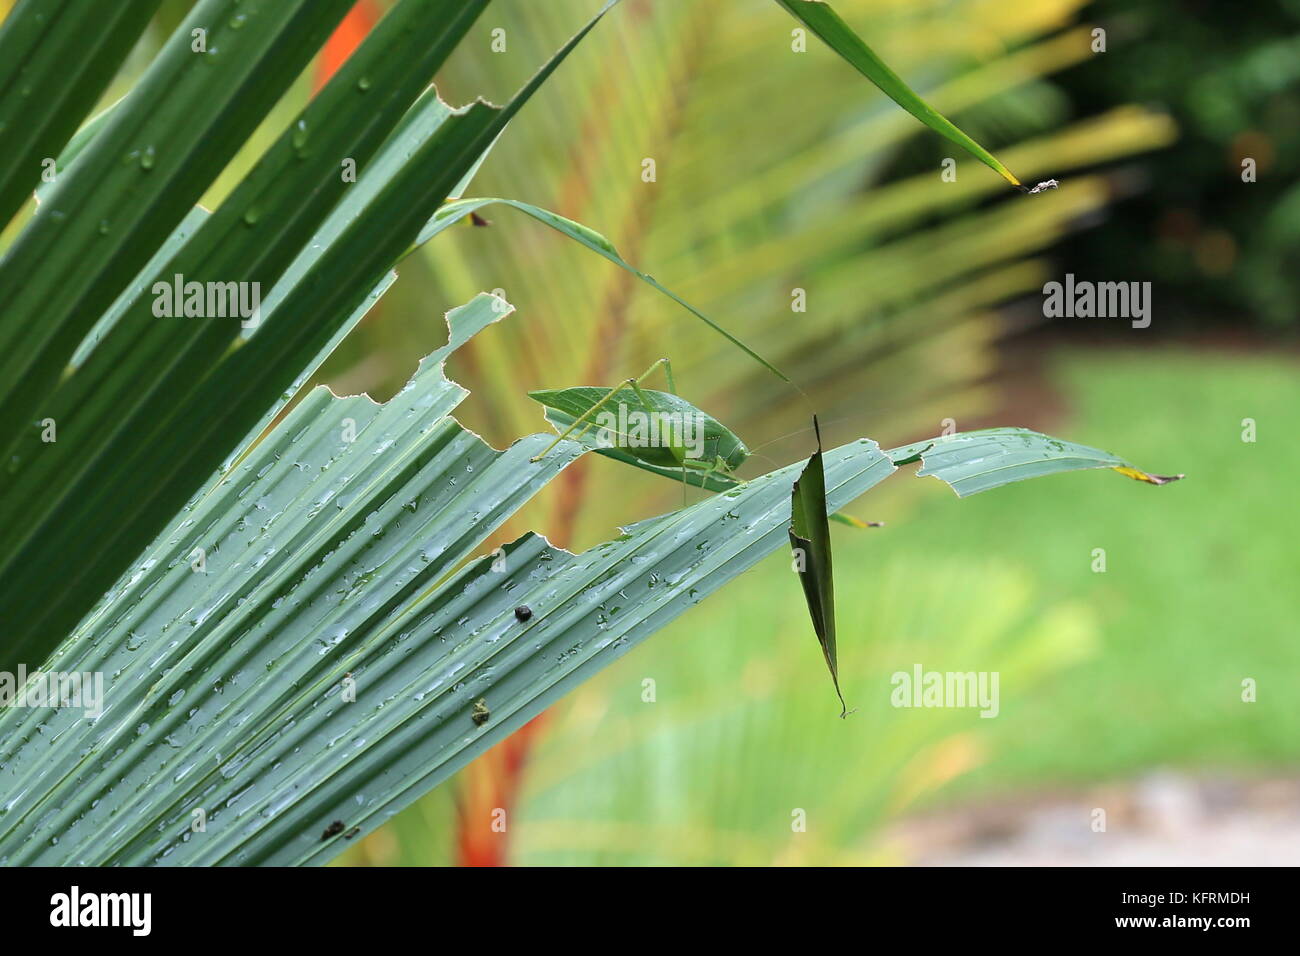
pixel 724 446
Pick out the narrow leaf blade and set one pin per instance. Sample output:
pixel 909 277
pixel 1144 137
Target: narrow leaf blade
pixel 819 17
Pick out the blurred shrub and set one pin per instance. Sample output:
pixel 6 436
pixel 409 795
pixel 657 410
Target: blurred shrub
pixel 1229 74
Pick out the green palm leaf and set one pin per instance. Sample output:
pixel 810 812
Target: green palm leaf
pixel 52 70
pixel 138 178
pixel 201 392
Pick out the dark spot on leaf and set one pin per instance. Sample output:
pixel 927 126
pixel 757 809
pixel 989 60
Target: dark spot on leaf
pixel 333 830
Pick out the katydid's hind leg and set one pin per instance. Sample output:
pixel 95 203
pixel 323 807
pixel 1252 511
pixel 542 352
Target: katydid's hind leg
pixel 672 390
pixel 668 369
pixel 635 385
pixel 677 451
pixel 636 382
pixel 668 373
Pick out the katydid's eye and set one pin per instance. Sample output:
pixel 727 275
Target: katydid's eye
pixel 523 612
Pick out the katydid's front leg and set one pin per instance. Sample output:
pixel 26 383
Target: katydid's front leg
pixel 716 467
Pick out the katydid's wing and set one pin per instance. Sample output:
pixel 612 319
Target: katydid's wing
pixel 810 538
pixel 822 20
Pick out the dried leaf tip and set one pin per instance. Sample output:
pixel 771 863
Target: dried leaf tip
pixel 1137 475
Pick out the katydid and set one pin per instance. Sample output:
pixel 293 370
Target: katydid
pixel 657 431
pixel 575 411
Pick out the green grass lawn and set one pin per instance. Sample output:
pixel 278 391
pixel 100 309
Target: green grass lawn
pixel 1202 587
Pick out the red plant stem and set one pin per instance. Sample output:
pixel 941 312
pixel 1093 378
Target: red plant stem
pixel 347 36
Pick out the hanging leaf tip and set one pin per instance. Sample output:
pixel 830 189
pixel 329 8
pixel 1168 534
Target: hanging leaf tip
pixel 810 542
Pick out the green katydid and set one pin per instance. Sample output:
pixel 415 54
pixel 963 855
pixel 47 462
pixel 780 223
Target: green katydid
pixel 657 431
pixel 575 411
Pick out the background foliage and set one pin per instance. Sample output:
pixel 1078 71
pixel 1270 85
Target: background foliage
pixel 1229 75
